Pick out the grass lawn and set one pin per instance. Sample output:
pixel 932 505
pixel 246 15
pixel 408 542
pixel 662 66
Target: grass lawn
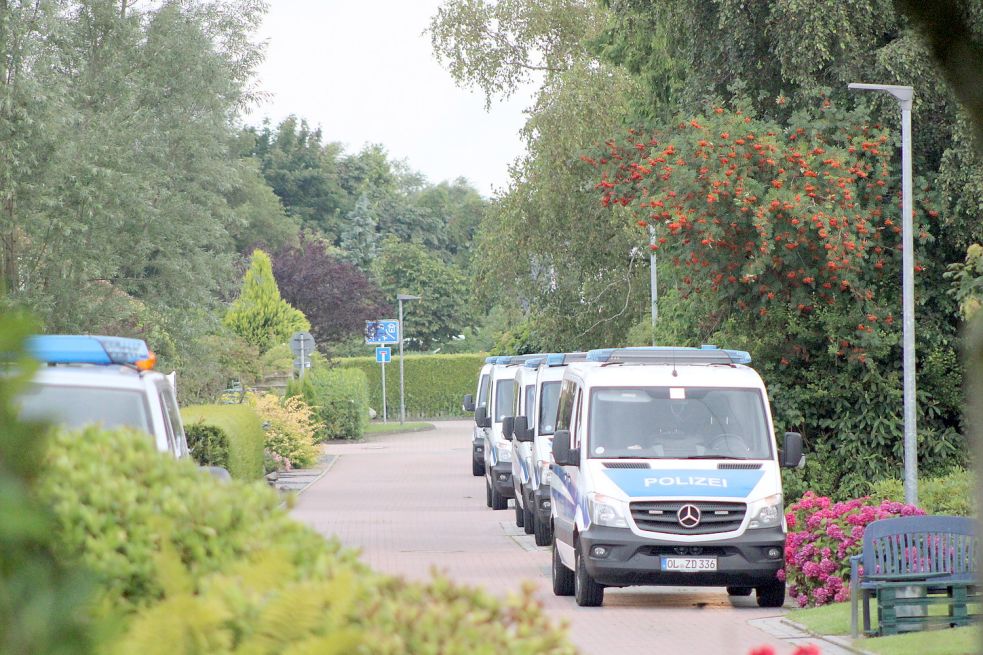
pixel 834 619
pixel 378 427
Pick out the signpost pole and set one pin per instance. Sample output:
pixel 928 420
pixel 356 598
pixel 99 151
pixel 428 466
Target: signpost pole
pixel 303 361
pixel 385 416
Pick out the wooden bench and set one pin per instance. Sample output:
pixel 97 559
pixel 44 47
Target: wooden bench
pixel 936 556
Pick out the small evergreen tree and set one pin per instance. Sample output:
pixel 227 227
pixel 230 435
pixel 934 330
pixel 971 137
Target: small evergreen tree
pixel 259 315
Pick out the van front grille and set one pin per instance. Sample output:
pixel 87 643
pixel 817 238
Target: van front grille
pixel 663 516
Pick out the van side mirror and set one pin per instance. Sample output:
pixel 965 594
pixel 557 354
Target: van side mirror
pixel 563 454
pixel 508 424
pixel 220 473
pixel 481 418
pixel 521 429
pixel 468 404
pixel 792 450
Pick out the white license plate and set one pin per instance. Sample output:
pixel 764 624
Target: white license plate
pixel 689 564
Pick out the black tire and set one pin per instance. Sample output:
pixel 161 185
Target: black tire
pixel 542 531
pixel 518 514
pixel 488 493
pixel 498 501
pixel 587 592
pixel 528 520
pixel 771 594
pixel 477 468
pixel 738 591
pixel 562 576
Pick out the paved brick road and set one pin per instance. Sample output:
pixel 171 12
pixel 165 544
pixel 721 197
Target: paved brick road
pixel 410 503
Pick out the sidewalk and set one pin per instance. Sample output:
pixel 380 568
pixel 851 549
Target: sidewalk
pixel 799 635
pixel 298 480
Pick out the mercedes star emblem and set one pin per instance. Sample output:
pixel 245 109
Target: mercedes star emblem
pixel 689 516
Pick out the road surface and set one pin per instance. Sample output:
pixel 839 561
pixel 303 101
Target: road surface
pixel 410 503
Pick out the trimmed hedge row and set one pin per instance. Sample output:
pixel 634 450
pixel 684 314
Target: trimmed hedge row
pixel 340 398
pixel 243 432
pixel 434 384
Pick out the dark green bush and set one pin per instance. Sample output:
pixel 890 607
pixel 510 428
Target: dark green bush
pixel 434 384
pixel 952 494
pixel 244 435
pixel 340 396
pixel 206 567
pixel 209 444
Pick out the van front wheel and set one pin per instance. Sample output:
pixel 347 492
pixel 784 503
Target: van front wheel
pixel 562 576
pixel 771 594
pixel 588 593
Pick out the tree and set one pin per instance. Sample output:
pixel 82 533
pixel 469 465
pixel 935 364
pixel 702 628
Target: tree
pixel 335 296
pixel 443 311
pixel 259 315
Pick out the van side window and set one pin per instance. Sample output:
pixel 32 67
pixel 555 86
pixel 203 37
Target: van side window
pixel 578 421
pixel 530 402
pixel 177 442
pixel 483 391
pixel 564 408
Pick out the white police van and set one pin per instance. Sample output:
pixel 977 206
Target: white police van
pixel 532 444
pixel 523 405
pixel 480 399
pixel 667 473
pixel 103 380
pixel 498 419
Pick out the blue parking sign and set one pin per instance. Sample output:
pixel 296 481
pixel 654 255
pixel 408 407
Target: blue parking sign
pixel 383 355
pixel 386 331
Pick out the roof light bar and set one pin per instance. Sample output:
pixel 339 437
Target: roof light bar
pixel 669 355
pixel 86 349
pixel 562 359
pixel 534 362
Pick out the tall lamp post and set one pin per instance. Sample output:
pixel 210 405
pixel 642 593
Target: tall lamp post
pixel 653 282
pixel 402 403
pixel 904 95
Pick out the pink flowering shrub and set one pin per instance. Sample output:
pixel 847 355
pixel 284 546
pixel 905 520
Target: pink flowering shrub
pixel 822 535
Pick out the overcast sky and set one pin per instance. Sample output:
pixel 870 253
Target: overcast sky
pixel 364 73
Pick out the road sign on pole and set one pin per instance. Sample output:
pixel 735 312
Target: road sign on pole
pixel 302 345
pixel 385 331
pixel 384 355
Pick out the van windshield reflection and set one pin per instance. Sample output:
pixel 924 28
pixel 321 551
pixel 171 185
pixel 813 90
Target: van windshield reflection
pixel 678 423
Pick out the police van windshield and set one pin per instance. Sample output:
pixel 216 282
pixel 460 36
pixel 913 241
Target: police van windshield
pixel 504 395
pixel 678 423
pixel 549 396
pixel 75 407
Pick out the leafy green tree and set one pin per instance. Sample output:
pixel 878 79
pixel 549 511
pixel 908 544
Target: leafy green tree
pixel 359 238
pixel 258 215
pixel 443 311
pixel 259 315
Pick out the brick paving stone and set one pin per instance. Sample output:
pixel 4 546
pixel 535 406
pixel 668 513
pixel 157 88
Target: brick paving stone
pixel 409 503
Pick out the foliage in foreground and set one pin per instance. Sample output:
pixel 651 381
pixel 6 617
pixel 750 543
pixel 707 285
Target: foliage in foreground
pixel 204 567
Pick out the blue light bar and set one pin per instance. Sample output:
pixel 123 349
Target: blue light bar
pixel 669 355
pixel 86 349
pixel 534 362
pixel 562 359
pixel 491 360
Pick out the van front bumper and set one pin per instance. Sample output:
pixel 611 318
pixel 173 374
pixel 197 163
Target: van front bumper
pixel 501 478
pixel 749 560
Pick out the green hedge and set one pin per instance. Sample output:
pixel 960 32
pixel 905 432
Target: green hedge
pixel 244 433
pixel 192 565
pixel 209 444
pixel 434 384
pixel 952 494
pixel 339 396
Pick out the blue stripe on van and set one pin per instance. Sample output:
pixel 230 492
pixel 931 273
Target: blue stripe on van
pixel 693 483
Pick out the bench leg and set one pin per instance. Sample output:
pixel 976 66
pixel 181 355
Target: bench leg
pixel 887 612
pixel 958 613
pixel 866 594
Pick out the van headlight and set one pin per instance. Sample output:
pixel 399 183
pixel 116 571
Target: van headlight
pixel 545 475
pixel 504 453
pixel 608 511
pixel 766 513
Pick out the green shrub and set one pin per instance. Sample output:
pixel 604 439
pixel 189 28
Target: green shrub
pixel 434 384
pixel 209 444
pixel 952 494
pixel 291 427
pixel 244 430
pixel 340 397
pixel 205 567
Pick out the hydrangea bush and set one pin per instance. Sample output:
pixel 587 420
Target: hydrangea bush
pixel 822 536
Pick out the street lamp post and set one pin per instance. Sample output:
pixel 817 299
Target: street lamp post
pixel 653 282
pixel 402 402
pixel 904 95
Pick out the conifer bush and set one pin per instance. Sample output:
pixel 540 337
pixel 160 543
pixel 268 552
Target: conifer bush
pixel 340 397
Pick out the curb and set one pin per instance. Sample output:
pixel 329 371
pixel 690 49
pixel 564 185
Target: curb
pixel 844 643
pixel 306 476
